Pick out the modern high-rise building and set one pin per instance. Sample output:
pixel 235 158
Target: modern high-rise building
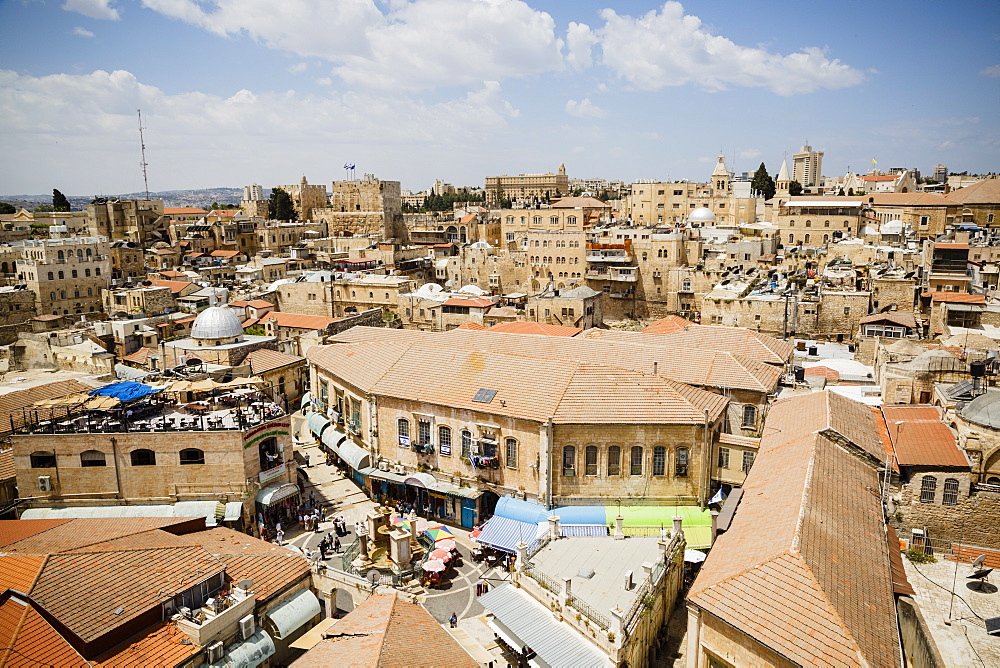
pixel 807 167
pixel 941 174
pixel 254 191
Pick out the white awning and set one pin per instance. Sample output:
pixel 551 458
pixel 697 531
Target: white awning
pixel 293 612
pixel 357 457
pixel 234 510
pixel 317 423
pixel 276 492
pixel 250 653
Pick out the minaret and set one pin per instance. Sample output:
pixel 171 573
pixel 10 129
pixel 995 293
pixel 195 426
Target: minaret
pixel 784 184
pixel 562 169
pixel 721 177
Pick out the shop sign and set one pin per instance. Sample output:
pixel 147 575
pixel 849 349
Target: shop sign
pixel 271 474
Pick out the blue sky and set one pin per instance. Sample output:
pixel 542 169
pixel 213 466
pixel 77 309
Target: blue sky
pixel 241 91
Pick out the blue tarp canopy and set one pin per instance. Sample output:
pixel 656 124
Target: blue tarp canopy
pixel 523 511
pixel 580 514
pixel 505 533
pixel 124 391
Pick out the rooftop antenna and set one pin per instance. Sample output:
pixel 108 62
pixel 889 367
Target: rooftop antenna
pixel 143 164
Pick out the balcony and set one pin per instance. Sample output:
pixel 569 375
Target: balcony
pixel 619 256
pixel 613 274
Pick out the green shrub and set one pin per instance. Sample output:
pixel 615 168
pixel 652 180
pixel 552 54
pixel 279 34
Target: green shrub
pixel 918 557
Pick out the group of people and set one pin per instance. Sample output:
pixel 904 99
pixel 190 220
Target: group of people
pixel 330 543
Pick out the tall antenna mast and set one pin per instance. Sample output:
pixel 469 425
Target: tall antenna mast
pixel 143 164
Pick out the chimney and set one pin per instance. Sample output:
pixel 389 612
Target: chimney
pixel 566 591
pixel 554 527
pixel 628 581
pixel 655 365
pixel 619 528
pixel 678 525
pixel 715 525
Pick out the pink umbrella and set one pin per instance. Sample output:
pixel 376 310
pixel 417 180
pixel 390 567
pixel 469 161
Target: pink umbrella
pixel 434 566
pixel 445 545
pixel 441 554
pixel 475 533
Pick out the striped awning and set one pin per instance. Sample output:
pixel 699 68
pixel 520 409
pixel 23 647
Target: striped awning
pixel 504 533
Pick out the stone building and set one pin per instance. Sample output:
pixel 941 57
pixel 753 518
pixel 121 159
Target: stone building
pixel 217 338
pixel 580 307
pixel 127 260
pixel 322 293
pixel 144 300
pixel 814 220
pixel 66 274
pixel 979 431
pixel 306 198
pixel 139 221
pixel 368 206
pixel 523 186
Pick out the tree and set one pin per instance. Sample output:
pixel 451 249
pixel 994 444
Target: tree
pixel 6 207
pixel 762 183
pixel 841 193
pixel 794 188
pixel 43 208
pixel 59 201
pixel 280 206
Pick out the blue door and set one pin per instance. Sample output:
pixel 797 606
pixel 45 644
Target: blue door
pixel 468 513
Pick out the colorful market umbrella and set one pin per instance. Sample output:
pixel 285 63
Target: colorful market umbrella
pixel 443 555
pixel 434 566
pixel 440 533
pixel 445 545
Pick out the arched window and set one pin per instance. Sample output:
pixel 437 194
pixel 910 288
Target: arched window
pixel 75 274
pixel 993 480
pixel 569 460
pixel 61 255
pixel 590 456
pixel 92 458
pixel 76 294
pixel 510 450
pixel 43 460
pixel 806 239
pixel 635 460
pixel 403 432
pixel 143 457
pixel 62 294
pixel 52 296
pixel 928 486
pixel 659 460
pixel 192 456
pixel 791 238
pixel 444 440
pixel 682 463
pixel 950 495
pixel 466 443
pixel 614 460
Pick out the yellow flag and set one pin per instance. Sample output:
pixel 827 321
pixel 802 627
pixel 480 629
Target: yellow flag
pixel 873 161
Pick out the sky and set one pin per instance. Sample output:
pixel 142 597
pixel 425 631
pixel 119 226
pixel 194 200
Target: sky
pixel 234 92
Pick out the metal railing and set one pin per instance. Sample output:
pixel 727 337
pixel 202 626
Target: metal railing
pixel 589 612
pixel 541 578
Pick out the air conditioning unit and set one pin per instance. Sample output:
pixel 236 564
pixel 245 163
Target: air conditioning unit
pixel 247 627
pixel 44 483
pixel 215 651
pixel 383 465
pixel 399 469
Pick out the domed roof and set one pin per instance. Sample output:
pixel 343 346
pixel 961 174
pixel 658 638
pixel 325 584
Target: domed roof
pixel 984 410
pixel 702 215
pixel 216 322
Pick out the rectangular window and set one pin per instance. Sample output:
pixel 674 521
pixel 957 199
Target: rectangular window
pixel 659 460
pixel 423 432
pixel 723 458
pixel 591 453
pixel 355 416
pixel 747 461
pixel 950 495
pixel 614 460
pixel 444 440
pixel 635 461
pixel 466 443
pixel 928 486
pixel 511 453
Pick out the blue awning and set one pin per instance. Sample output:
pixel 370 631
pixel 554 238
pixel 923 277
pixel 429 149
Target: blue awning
pixel 317 423
pixel 524 511
pixel 250 653
pixel 580 514
pixel 292 613
pixel 504 533
pixel 124 391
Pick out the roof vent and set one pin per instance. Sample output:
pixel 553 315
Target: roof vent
pixel 585 573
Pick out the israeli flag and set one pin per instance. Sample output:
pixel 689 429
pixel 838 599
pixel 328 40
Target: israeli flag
pixel 352 166
pixel 717 498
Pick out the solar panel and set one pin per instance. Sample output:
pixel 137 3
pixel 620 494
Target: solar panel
pixel 485 396
pixel 993 626
pixel 958 389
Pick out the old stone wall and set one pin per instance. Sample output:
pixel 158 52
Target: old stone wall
pixel 973 519
pixel 721 640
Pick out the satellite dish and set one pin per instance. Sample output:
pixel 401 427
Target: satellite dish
pixel 246 584
pixel 978 562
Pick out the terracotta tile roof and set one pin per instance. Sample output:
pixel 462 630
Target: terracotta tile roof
pixel 141 356
pixel 900 585
pixel 54 536
pixel 84 591
pixel 473 325
pixel 170 273
pixel 260 303
pixel 471 303
pixel 19 573
pixel 28 640
pixel 298 320
pixel 886 177
pixel 986 191
pixel 568 390
pixel 12 402
pixel 7 470
pixel 735 439
pixel 668 325
pixel 951 246
pixel 804 567
pixel 701 368
pixel 223 213
pixel 263 360
pixel 224 253
pixel 919 438
pixel 175 286
pixel 968 553
pixel 387 631
pixel 747 342
pixel 160 645
pixel 467 218
pixel 904 318
pixel 239 303
pixel 824 371
pixel 176 210
pixel 541 328
pixel 955 297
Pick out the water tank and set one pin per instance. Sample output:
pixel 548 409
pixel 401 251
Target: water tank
pixel 977 369
pixel 800 374
pixel 813 351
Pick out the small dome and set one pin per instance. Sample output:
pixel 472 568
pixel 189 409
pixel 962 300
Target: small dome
pixel 983 410
pixel 701 215
pixel 217 322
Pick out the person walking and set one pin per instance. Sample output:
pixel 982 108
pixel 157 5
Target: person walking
pixel 454 620
pixel 306 457
pixel 322 550
pixel 336 545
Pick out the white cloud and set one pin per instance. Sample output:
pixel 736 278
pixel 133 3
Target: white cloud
pixel 298 68
pixel 580 41
pixel 749 153
pixel 584 109
pixel 82 32
pixel 95 9
pixel 668 48
pixel 412 45
pixel 993 71
pixel 67 120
